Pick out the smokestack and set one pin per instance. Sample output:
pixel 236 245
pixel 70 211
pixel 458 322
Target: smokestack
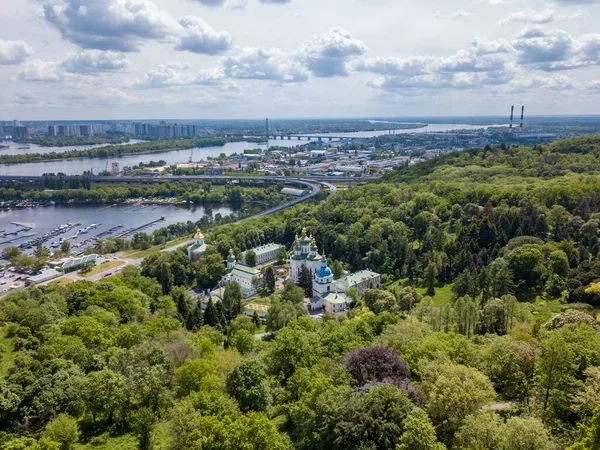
pixel 267 130
pixel 522 114
pixel 512 112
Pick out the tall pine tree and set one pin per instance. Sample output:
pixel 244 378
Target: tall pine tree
pixel 211 317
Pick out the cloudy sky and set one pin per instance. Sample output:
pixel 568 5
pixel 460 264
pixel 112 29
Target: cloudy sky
pixel 147 59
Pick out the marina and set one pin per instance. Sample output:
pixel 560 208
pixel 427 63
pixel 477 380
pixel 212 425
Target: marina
pixel 83 225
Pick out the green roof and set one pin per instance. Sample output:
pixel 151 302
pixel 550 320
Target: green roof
pixel 244 271
pixel 197 248
pixel 79 261
pixel 336 298
pixel 357 277
pixel 266 249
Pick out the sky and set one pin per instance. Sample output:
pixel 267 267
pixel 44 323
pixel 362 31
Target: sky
pixel 251 59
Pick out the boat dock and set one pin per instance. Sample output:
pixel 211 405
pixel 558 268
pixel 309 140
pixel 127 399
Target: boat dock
pixel 135 230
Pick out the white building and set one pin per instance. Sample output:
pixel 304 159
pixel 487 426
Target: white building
pixel 325 295
pixel 241 274
pixel 266 253
pixel 304 254
pixel 363 280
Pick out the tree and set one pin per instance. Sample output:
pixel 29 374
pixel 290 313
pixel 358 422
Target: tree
pixel 282 255
pixel 65 247
pixel 378 300
pixel 480 431
pixel 9 401
pixel 243 341
pixel 105 394
pixel 282 313
pixel 248 383
pixel 527 265
pixel 142 424
pixel 408 298
pixel 269 278
pixel 305 281
pixel 292 349
pixel 63 429
pixel 256 319
pixel 526 433
pixel 232 300
pixel 250 258
pixel 11 253
pixel 188 378
pixel 210 314
pixel 165 277
pixel 292 293
pixel 374 420
pixel 373 364
pixel 431 274
pixel 195 319
pixel 419 433
pixel 452 392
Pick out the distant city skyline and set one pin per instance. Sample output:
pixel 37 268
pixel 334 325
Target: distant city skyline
pixel 250 59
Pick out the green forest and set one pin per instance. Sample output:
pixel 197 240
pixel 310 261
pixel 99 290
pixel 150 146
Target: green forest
pixel 483 334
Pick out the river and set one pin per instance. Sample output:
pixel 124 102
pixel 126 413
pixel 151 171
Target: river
pixel 45 219
pixel 78 166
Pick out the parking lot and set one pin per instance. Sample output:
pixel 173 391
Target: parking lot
pixel 12 279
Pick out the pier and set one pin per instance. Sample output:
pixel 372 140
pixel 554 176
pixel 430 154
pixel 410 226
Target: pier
pixel 135 230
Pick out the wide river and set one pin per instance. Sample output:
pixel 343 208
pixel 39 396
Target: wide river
pixel 45 219
pixel 78 166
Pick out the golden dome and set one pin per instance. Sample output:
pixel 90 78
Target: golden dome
pixel 198 234
pixel 303 231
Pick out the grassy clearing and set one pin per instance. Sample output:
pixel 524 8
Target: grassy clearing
pixel 545 309
pixel 7 353
pixel 443 295
pixel 103 267
pixel 137 254
pixel 124 442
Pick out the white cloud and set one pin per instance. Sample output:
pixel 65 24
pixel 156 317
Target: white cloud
pixel 408 67
pixel 211 3
pixel 458 14
pixel 326 55
pixel 200 37
pixel 107 97
pixel 536 45
pixel 265 64
pixel 95 61
pixel 14 52
pixel 119 25
pixel 40 71
pixel 530 16
pixel 166 76
pixel 546 16
pixel 26 97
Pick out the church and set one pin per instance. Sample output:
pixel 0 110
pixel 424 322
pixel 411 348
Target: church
pixel 325 293
pixel 328 294
pixel 196 250
pixel 305 253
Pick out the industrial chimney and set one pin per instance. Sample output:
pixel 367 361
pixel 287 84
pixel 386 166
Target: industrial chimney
pixel 522 114
pixel 512 112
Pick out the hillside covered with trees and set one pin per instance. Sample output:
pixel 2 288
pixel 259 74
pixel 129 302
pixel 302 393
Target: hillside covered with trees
pixel 483 334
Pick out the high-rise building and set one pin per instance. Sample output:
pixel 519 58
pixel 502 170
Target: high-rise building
pixel 20 132
pixel 16 123
pixel 52 130
pixel 86 130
